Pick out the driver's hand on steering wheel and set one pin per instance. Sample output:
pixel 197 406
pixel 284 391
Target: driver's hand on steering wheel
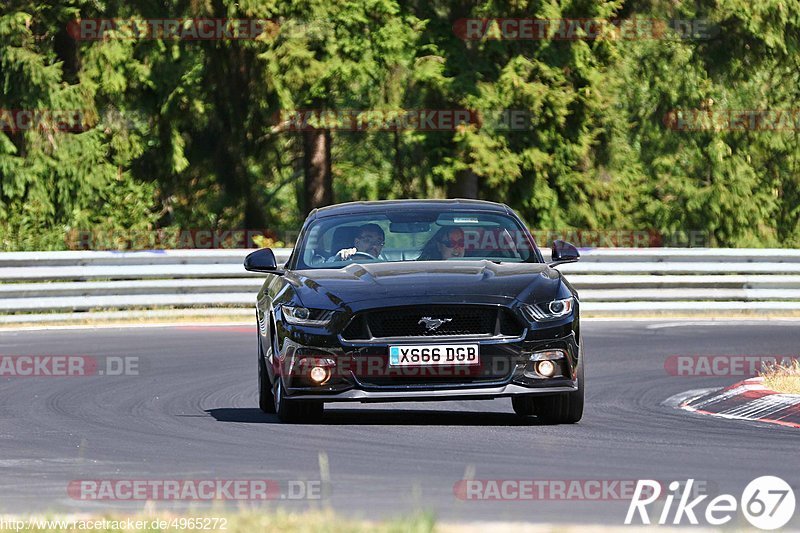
pixel 346 253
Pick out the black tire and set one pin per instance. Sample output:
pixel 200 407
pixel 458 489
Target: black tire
pixel 295 411
pixel 523 405
pixel 564 408
pixel 265 399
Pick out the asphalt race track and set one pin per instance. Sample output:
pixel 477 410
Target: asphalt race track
pixel 191 414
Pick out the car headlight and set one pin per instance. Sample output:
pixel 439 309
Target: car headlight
pixel 549 310
pixel 303 316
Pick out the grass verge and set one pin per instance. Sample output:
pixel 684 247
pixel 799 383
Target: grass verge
pixel 227 522
pixel 783 378
pixel 280 521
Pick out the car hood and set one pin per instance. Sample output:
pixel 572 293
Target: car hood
pixel 410 280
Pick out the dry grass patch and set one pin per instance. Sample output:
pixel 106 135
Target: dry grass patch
pixel 783 378
pixel 245 521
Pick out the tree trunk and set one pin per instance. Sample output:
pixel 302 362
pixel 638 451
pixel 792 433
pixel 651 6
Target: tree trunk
pixel 317 169
pixel 399 176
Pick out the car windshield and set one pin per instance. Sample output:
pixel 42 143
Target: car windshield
pixel 413 235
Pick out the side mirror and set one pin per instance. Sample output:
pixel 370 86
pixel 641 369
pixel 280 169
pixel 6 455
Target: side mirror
pixel 262 260
pixel 563 252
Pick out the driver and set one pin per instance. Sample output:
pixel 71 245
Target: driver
pixel 369 241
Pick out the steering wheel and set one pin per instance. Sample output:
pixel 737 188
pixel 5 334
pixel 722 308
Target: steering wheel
pixel 364 255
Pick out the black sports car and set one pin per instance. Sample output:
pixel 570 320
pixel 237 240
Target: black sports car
pixel 418 300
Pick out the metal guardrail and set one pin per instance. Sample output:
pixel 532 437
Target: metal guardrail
pixel 43 286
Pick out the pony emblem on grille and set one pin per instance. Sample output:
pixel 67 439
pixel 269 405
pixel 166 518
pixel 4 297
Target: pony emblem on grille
pixel 433 323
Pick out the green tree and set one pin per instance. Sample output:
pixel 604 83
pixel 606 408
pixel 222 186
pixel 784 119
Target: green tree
pixel 52 180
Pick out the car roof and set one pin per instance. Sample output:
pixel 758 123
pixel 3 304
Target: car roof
pixel 400 205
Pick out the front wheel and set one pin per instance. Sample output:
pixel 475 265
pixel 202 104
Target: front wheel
pixel 564 408
pixel 266 402
pixel 523 405
pixel 295 411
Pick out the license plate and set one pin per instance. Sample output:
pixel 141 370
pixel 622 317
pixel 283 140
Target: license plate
pixel 434 354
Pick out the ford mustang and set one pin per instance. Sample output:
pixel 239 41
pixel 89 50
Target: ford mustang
pixel 418 300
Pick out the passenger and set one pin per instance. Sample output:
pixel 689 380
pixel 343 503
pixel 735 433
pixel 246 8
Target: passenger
pixel 446 244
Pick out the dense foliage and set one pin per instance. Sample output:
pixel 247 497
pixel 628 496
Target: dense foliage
pixel 187 134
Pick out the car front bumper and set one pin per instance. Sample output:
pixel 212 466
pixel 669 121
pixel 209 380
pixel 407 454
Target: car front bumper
pixel 360 371
pixel 422 394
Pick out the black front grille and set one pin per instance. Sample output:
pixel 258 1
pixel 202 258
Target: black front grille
pixel 433 321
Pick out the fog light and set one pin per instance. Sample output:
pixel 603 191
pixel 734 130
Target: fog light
pixel 319 375
pixel 546 368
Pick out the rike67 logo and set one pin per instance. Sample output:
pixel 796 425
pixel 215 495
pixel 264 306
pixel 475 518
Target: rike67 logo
pixel 767 502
